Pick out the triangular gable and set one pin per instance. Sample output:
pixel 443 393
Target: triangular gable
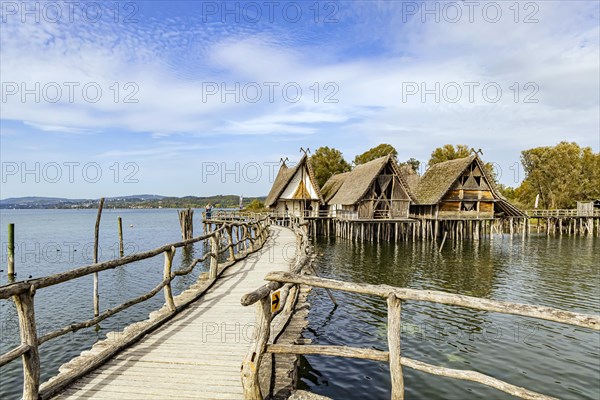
pixel 356 183
pixel 291 177
pixel 475 170
pixel 300 187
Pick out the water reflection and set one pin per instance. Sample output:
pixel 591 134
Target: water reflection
pixel 547 357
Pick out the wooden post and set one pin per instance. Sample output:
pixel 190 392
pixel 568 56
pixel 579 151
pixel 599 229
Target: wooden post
pixel 11 251
pixel 121 248
pixel 245 237
pixel 252 361
pixel 230 239
pixel 214 258
pixel 443 241
pixel 394 329
pixel 31 359
pixel 96 232
pixel 186 222
pixel 249 232
pixel 167 275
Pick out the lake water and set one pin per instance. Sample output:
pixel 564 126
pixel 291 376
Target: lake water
pixel 551 358
pixel 50 241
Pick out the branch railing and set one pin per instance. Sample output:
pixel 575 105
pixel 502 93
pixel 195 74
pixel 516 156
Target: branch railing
pixel 263 330
pixel 563 213
pixel 239 239
pixel 394 296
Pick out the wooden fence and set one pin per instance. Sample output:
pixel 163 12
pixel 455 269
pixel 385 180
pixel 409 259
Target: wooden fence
pixel 241 238
pixel 394 296
pixel 562 213
pixel 263 330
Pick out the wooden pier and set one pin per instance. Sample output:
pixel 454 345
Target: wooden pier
pixel 194 346
pixel 198 354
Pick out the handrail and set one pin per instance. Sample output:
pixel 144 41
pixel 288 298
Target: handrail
pixel 395 296
pixel 252 362
pixel 572 212
pixel 433 296
pixel 254 232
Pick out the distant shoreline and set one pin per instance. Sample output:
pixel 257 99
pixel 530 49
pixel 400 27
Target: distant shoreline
pixel 127 202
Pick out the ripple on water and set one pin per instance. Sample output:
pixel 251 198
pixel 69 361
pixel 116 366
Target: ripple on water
pixel 542 356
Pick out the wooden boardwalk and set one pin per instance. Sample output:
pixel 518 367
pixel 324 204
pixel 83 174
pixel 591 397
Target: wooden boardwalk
pixel 199 353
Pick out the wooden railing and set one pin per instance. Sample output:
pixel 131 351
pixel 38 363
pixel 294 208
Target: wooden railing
pixel 394 296
pixel 242 239
pixel 234 215
pixel 563 213
pixel 263 330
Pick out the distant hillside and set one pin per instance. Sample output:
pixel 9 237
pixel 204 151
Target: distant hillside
pixel 134 201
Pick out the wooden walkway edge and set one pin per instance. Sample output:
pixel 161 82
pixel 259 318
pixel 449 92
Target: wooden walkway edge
pixel 198 354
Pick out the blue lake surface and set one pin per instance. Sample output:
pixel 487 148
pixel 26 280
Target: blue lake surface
pixel 51 241
pixel 551 358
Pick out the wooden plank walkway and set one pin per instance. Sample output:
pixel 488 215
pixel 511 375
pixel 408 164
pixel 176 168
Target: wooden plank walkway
pixel 198 354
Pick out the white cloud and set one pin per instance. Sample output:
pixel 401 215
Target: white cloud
pixel 370 55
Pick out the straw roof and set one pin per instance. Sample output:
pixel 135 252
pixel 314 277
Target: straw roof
pixel 439 178
pixel 332 185
pixel 349 187
pixel 286 174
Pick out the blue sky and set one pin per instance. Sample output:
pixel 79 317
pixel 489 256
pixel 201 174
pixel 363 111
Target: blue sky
pixel 192 95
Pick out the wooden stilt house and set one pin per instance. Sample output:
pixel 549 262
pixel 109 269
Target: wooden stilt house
pixel 295 191
pixel 460 189
pixel 374 190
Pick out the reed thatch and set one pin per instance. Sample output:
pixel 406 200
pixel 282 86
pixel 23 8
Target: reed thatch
pixel 439 178
pixel 350 187
pixel 284 176
pixel 332 185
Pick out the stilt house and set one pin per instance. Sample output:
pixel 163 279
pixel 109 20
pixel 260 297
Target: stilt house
pixel 460 189
pixel 374 190
pixel 295 191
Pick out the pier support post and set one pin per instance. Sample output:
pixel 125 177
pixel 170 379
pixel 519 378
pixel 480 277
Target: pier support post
pixel 11 252
pixel 96 233
pixel 167 276
pixel 186 221
pixel 121 248
pixel 230 240
pixel 31 359
pixel 252 361
pixel 214 257
pixel 394 310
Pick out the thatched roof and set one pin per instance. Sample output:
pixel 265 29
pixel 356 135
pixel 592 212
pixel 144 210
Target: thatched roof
pixel 438 179
pixel 284 176
pixel 349 187
pixel 332 185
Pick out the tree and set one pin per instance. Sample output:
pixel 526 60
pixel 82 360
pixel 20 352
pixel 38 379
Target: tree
pixel 376 152
pixel 560 174
pixel 448 152
pixel 412 163
pixel 255 205
pixel 327 162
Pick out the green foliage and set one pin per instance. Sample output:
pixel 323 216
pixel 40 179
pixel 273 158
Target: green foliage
pixel 448 152
pixel 327 162
pixel 376 152
pixel 412 163
pixel 561 174
pixel 255 205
